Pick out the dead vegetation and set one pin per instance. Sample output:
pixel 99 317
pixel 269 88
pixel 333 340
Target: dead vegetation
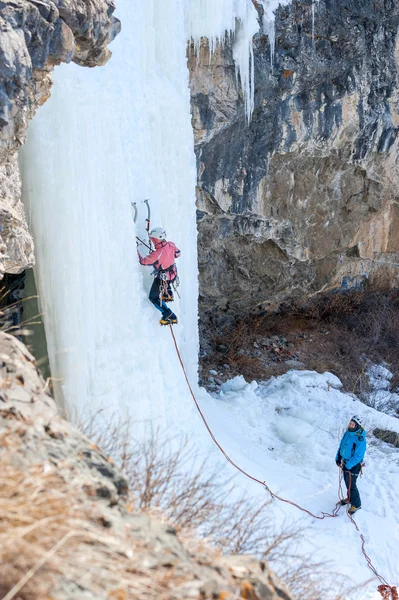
pixel 47 536
pixel 54 543
pixel 58 541
pixel 339 333
pixel 169 477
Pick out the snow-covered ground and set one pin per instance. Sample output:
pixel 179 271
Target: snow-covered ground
pixel 286 432
pixel 381 395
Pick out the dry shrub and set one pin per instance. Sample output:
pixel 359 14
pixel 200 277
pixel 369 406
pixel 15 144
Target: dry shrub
pixel 248 366
pixel 46 537
pixel 11 313
pixel 327 307
pixel 32 520
pixel 311 580
pixel 337 353
pixel 167 476
pixel 342 331
pixel 361 325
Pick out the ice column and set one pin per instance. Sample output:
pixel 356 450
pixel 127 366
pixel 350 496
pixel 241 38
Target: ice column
pixel 107 137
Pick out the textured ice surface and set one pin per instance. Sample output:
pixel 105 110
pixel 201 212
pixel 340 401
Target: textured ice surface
pixel 109 136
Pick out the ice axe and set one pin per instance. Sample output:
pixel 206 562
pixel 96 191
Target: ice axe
pixel 135 214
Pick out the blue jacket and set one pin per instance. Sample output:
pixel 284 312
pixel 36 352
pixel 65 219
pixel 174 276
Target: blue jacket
pixel 352 447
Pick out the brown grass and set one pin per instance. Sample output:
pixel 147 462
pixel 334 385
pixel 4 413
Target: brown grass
pixel 167 476
pixel 47 536
pixel 52 537
pixel 339 333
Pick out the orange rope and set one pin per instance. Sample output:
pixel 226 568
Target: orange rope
pixel 387 592
pixel 227 457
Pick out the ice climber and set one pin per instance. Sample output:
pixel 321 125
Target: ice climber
pixel 349 457
pixel 162 258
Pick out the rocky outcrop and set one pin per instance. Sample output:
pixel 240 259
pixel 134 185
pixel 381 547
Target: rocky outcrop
pixel 36 35
pixel 65 504
pixel 306 197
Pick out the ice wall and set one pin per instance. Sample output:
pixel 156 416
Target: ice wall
pixel 109 136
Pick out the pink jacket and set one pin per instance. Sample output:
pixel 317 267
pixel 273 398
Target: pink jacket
pixel 162 258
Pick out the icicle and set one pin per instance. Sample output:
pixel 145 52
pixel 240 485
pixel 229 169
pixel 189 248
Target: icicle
pixel 269 7
pixel 313 19
pixel 269 28
pixel 244 62
pixel 237 19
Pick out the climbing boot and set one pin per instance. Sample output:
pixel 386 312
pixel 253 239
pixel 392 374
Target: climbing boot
pixel 170 320
pixel 354 509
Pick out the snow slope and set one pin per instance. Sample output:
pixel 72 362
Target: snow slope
pixel 286 432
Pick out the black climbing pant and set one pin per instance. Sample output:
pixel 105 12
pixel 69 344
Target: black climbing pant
pixel 154 296
pixel 350 478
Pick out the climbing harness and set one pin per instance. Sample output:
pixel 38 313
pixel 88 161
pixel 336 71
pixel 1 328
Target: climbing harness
pixel 387 592
pixel 164 295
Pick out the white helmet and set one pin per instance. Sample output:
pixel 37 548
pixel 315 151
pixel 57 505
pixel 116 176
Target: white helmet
pixel 358 420
pixel 158 233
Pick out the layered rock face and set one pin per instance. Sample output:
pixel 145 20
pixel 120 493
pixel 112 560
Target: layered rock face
pixel 36 35
pixel 66 502
pixel 306 197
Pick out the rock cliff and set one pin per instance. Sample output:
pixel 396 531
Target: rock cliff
pixel 67 527
pixel 36 35
pixel 306 197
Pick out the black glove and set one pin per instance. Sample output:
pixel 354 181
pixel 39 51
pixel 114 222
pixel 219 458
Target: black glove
pixel 338 462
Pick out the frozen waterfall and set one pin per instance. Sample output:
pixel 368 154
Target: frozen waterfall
pixel 109 136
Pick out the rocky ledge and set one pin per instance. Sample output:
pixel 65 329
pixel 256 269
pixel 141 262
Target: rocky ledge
pixel 67 527
pixel 36 35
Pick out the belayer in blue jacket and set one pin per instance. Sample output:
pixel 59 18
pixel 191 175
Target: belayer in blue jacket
pixel 349 457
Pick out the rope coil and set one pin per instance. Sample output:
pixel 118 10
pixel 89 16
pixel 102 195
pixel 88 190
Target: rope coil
pixel 387 592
